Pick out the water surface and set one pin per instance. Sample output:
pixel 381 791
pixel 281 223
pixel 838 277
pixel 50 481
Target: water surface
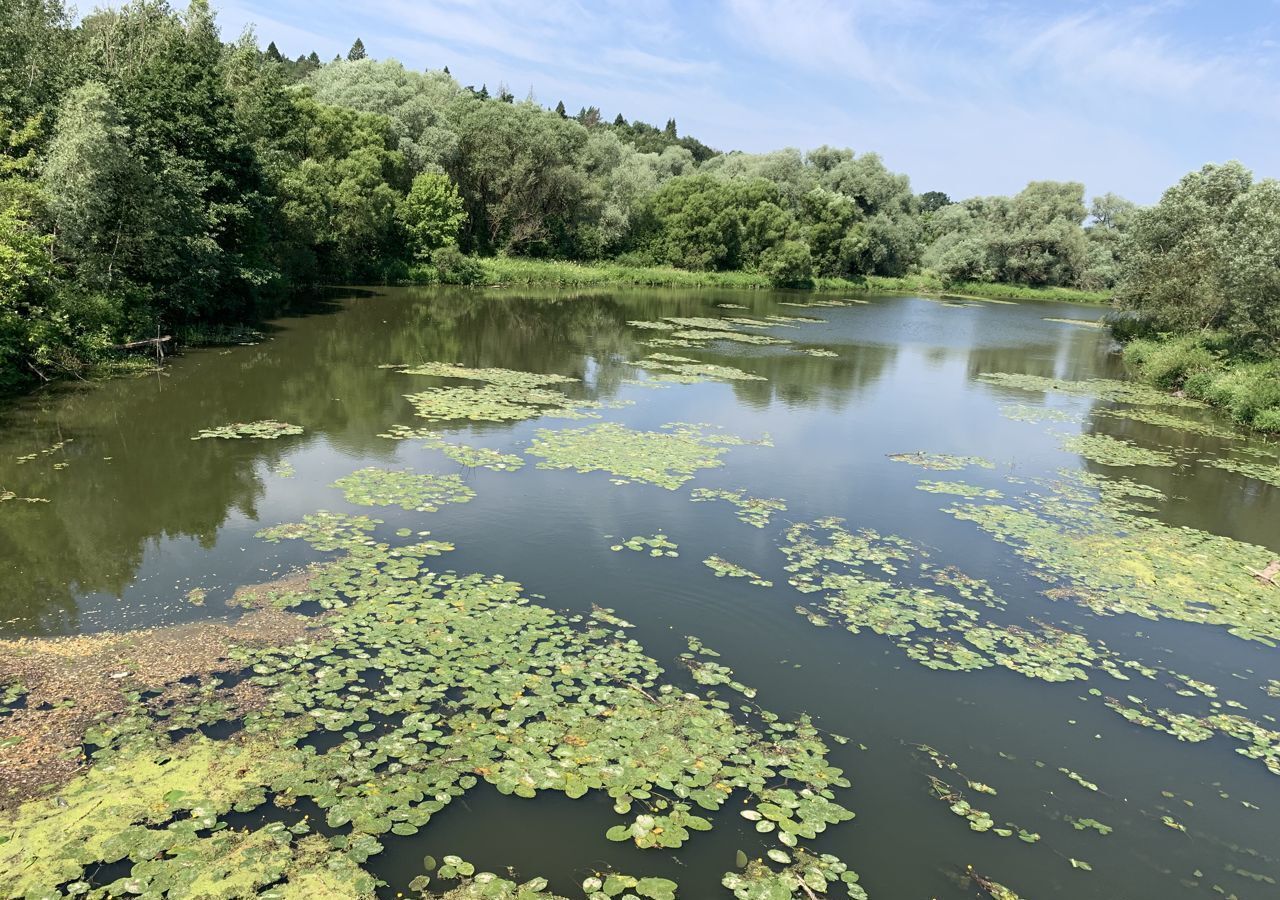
pixel 139 514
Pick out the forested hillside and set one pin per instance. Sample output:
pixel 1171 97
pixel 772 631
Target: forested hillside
pixel 154 178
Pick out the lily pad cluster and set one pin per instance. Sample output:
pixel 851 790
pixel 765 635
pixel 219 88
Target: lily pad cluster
pixel 1259 471
pixel 979 820
pixel 462 454
pixel 1101 388
pixel 502 395
pixel 667 458
pixel 683 370
pixel 657 545
pixel 959 489
pixel 372 486
pixel 415 686
pixel 752 510
pixel 1108 451
pixel 945 462
pixel 267 429
pixel 723 567
pixel 1149 416
pixel 1091 539
pixel 1024 412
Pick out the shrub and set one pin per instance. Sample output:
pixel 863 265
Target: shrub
pixel 788 264
pixel 453 267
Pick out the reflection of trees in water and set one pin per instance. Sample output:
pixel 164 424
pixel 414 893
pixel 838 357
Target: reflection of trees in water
pixel 322 372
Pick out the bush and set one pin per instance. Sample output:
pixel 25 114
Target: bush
pixel 453 267
pixel 788 264
pixel 1169 363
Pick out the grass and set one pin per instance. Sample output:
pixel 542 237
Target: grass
pixel 1210 367
pixel 527 272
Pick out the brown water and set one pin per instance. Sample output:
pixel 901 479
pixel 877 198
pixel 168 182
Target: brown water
pixel 139 514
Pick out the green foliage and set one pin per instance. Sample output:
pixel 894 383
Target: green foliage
pixel 431 213
pixel 1205 256
pixel 788 264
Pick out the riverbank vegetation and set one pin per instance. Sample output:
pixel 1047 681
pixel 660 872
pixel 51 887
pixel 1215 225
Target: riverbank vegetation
pixel 157 180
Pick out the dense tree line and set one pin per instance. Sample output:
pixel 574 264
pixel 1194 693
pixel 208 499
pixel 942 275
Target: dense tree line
pixel 153 177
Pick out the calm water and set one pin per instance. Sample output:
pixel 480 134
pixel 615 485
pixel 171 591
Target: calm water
pixel 139 514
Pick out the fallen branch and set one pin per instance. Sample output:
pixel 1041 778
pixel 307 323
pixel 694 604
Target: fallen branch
pixel 1268 575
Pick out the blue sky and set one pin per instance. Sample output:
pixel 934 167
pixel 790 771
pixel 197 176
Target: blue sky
pixel 966 96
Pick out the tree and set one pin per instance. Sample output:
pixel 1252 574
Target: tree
pixel 357 51
pixel 273 52
pixel 670 130
pixel 619 121
pixel 560 111
pixel 432 213
pixel 1208 255
pixel 417 104
pixel 788 264
pixel 932 201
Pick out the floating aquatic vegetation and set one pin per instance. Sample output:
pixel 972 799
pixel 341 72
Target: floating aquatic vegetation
pixel 1258 471
pixel 806 875
pixel 284 469
pixel 1259 742
pixel 463 454
pixel 818 351
pixel 197 596
pixel 503 395
pixel 943 631
pixel 1078 779
pixel 688 371
pixel 698 336
pixel 267 429
pixel 731 306
pixel 372 486
pixel 994 889
pixel 959 489
pixel 1102 388
pixel 673 342
pixel 428 683
pixel 752 510
pixel 979 820
pixel 1108 451
pixel 666 458
pixel 1272 688
pixel 786 320
pixel 653 326
pixel 821 303
pixel 723 567
pixel 52 448
pixel 700 323
pixel 1022 412
pixel 945 462
pixel 750 323
pixel 657 545
pixel 1087 323
pixel 714 434
pixel 1087 537
pixel 10 495
pixel 1170 420
pixel 1085 824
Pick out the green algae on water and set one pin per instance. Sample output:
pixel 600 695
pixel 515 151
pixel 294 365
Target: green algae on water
pixel 372 486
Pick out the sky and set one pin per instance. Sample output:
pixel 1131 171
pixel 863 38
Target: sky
pixel 968 97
